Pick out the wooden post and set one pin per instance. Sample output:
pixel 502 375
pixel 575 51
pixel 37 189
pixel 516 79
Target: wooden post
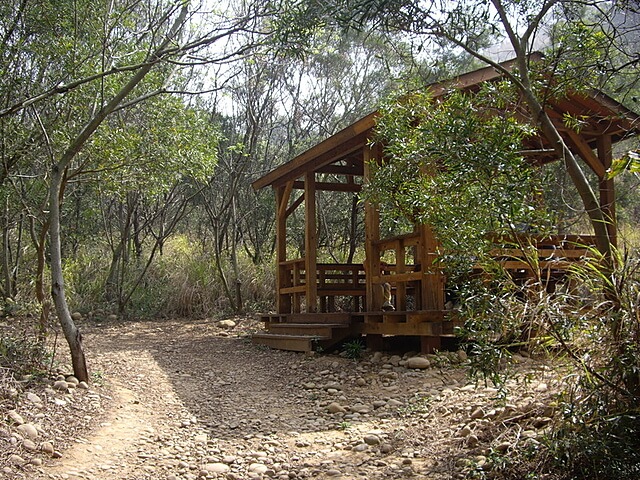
pixel 401 287
pixel 372 235
pixel 607 188
pixel 311 242
pixel 432 284
pixel 283 301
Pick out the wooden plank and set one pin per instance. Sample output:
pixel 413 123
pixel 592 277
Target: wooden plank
pixel 398 277
pixel 372 235
pixel 409 239
pixel 607 188
pixel 283 301
pixel 308 329
pixel 283 201
pixel 356 169
pixel 332 186
pixel 285 342
pixel 430 344
pixel 433 282
pixel 401 328
pixel 311 241
pixel 296 289
pixel 401 287
pixel 582 148
pixel 296 203
pixel 324 153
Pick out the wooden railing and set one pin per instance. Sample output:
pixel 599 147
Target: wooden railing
pixel 332 280
pixel 549 253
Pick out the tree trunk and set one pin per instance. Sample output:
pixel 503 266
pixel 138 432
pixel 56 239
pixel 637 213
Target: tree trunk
pixel 71 332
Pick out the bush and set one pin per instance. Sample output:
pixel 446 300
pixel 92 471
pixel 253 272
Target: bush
pixel 591 320
pixel 24 354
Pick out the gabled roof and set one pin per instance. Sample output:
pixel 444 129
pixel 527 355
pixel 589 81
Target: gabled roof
pixel 602 116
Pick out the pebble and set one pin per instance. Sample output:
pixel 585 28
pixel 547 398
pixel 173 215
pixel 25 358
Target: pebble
pixel 372 440
pixel 258 468
pixel 226 324
pixel 477 414
pixel 61 385
pixel 16 417
pixel 33 398
pixel 335 407
pixel 47 447
pixel 29 445
pixel 16 460
pixel 28 430
pixel 418 363
pixel 216 468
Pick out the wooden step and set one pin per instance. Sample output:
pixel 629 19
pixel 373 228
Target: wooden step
pixel 295 343
pixel 341 318
pixel 318 329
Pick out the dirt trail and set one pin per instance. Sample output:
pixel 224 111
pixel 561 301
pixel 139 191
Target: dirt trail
pixel 191 400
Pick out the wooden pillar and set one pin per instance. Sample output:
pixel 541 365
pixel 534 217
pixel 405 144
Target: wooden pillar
pixel 433 283
pixel 310 242
pixel 372 235
pixel 401 287
pixel 283 276
pixel 607 188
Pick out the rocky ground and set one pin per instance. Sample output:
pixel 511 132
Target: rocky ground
pixel 190 400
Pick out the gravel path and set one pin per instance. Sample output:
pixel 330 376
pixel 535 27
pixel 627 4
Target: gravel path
pixel 192 400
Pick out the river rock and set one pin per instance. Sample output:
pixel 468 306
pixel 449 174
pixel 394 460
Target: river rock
pixel 33 398
pixel 61 385
pixel 47 447
pixel 477 413
pixel 28 430
pixel 216 468
pixel 29 445
pixel 258 468
pixel 16 417
pixel 226 324
pixel 16 460
pixel 372 440
pixel 418 362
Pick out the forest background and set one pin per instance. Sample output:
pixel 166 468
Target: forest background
pixel 131 130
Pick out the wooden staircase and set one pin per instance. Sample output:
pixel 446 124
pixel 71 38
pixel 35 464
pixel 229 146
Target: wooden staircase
pixel 304 332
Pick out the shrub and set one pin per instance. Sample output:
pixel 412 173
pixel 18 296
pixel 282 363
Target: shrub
pixel 593 321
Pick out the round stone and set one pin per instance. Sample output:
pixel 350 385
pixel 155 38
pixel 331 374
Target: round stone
pixel 372 440
pixel 258 468
pixel 16 417
pixel 28 430
pixel 335 407
pixel 47 447
pixel 418 363
pixel 216 468
pixel 61 385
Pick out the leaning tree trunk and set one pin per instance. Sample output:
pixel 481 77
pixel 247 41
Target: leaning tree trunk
pixel 71 332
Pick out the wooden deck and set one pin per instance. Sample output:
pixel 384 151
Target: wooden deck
pixel 546 259
pixel 321 331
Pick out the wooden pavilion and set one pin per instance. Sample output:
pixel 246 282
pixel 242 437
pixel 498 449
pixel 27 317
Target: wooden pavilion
pixel 306 290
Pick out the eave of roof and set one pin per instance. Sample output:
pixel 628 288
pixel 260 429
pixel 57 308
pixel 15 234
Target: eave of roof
pixel 357 134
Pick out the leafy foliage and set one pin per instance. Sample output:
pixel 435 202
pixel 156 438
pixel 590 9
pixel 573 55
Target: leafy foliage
pixel 455 163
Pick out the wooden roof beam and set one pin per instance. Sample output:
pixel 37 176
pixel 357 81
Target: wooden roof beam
pixel 582 148
pixel 332 187
pixel 333 148
pixel 357 170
